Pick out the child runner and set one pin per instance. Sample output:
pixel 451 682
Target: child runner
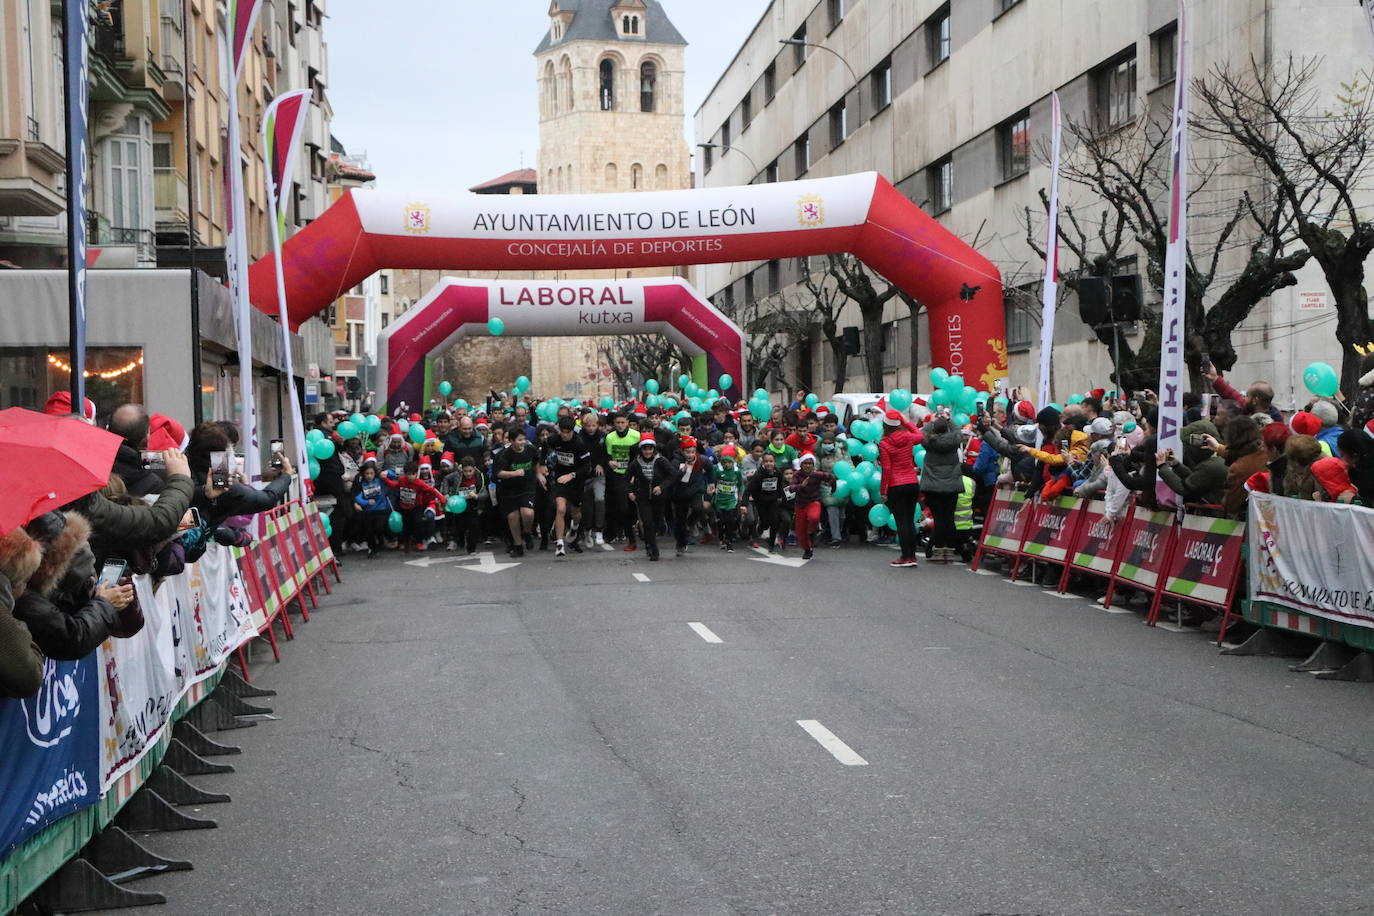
pixel 416 502
pixel 806 483
pixel 373 507
pixel 570 462
pixel 689 490
pixel 471 484
pixel 765 491
pixel 727 484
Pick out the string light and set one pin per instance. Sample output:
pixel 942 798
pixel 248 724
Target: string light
pixel 108 375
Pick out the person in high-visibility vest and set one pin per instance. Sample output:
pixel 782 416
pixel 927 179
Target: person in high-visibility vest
pixel 963 518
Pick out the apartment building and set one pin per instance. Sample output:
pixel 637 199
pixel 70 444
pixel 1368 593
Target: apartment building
pixel 950 100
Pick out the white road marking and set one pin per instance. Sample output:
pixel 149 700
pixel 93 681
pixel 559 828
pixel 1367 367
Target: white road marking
pixel 837 748
pixel 794 562
pixel 640 577
pixel 605 546
pixel 704 632
pixel 984 572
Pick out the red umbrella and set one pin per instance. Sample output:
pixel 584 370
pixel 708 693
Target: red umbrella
pixel 50 461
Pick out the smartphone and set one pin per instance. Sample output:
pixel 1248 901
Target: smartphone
pixel 278 448
pixel 152 461
pixel 1137 395
pixel 112 572
pixel 1206 362
pixel 1197 440
pixel 196 521
pixel 219 470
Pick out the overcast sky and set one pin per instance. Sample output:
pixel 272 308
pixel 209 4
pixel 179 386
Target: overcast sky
pixel 441 97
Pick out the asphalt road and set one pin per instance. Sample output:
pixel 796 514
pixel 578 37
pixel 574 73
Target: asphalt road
pixel 556 738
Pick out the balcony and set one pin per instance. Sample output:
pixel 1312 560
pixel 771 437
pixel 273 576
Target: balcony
pixel 171 198
pixel 172 60
pixel 120 246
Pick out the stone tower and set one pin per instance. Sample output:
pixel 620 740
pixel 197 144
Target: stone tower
pixel 611 107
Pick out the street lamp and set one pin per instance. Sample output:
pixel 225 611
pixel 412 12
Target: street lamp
pixel 736 149
pixel 797 42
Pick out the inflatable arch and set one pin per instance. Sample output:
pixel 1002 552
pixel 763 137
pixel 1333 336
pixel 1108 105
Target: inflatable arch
pixel 365 231
pixel 533 308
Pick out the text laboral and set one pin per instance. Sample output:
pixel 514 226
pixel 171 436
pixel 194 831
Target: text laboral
pixel 565 295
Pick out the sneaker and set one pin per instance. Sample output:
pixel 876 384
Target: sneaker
pixel 421 547
pixel 680 551
pixel 559 550
pixel 729 548
pixel 631 547
pixel 371 554
pixel 754 545
pixel 807 554
pixel 517 551
pixel 597 539
pixel 577 548
pixel 453 545
pixel 722 546
pixel 654 556
pixel 835 545
pixel 904 562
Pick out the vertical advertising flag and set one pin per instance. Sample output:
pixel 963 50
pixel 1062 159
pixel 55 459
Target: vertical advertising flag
pixel 1368 7
pixel 1051 288
pixel 76 80
pixel 240 18
pixel 1172 377
pixel 281 139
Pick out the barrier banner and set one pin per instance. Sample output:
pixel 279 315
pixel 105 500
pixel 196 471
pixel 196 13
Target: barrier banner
pixel 1317 558
pixel 317 536
pixel 1005 523
pixel 1099 541
pixel 192 623
pixel 50 766
pixel 1205 560
pixel 1052 530
pixel 1147 541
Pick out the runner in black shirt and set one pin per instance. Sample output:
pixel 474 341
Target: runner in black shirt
pixel 570 461
pixel 514 470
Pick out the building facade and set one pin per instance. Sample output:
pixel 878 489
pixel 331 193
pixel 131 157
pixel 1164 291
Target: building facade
pixel 951 102
pixel 611 109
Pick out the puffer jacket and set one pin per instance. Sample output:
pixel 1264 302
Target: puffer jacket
pixel 942 472
pixel 114 525
pixel 21 661
pixel 1201 477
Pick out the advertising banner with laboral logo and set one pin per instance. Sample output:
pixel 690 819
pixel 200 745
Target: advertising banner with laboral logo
pixel 49 751
pixel 459 307
pixel 1313 557
pixel 863 214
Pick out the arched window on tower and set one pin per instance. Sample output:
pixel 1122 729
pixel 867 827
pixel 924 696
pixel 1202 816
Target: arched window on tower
pixel 636 177
pixel 660 177
pixel 550 90
pixel 607 85
pixel 566 78
pixel 634 25
pixel 625 25
pixel 648 83
pixel 610 176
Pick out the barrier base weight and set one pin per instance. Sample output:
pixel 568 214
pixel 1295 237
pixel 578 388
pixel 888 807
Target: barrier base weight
pixel 212 715
pixel 1271 642
pixel 148 812
pixel 175 790
pixel 233 683
pixel 1360 668
pixel 121 858
pixel 79 887
pixel 1329 656
pixel 197 743
pixel 187 762
pixel 237 706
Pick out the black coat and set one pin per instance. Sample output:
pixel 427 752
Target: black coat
pixel 642 482
pixel 241 499
pixel 138 480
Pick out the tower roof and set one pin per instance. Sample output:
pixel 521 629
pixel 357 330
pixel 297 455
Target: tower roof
pixel 592 21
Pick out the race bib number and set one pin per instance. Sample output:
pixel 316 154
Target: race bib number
pixel 726 489
pixel 564 458
pixel 619 465
pixel 467 492
pixel 770 485
pixel 407 496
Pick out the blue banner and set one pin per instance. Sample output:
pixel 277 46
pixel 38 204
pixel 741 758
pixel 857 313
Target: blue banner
pixel 50 765
pixel 76 62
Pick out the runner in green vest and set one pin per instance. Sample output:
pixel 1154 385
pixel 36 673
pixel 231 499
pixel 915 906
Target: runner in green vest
pixel 620 445
pixel 727 483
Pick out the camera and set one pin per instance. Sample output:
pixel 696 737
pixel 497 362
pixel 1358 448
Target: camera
pixel 152 461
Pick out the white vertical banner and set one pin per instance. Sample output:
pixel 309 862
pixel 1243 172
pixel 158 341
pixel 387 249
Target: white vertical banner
pixel 1050 292
pixel 1172 375
pixel 1368 7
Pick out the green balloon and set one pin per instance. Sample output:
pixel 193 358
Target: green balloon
pixel 417 433
pixel 522 384
pixel 869 451
pixel 725 381
pixel 348 429
pixel 323 449
pixel 373 424
pixel 1321 379
pixel 812 400
pixel 954 383
pixel 496 327
pixel 900 399
pixel 653 400
pixel 395 523
pixel 843 470
pixel 842 488
pixel 683 381
pixel 761 410
pixel 328 525
pixel 358 419
pixel 607 402
pixel 859 496
pixel 761 394
pixel 314 468
pixel 938 377
pixel 651 386
pixel 445 389
pixel 315 435
pixel 878 516
pixel 961 419
pixel 865 469
pixel 457 504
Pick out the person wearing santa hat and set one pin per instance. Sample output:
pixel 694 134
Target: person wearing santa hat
pixel 649 477
pixel 416 500
pixel 130 422
pixel 60 405
pixel 688 492
pixel 900 484
pixel 806 484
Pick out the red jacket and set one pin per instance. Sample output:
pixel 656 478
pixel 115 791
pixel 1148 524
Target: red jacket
pixel 415 493
pixel 802 442
pixel 894 454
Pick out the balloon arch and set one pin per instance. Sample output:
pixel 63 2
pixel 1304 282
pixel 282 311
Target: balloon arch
pixel 366 231
pixel 531 308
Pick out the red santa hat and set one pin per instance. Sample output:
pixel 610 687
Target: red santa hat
pixel 369 458
pixel 426 465
pixel 1098 393
pixel 684 442
pixel 165 433
pixel 1333 475
pixel 1024 410
pixel 446 459
pixel 60 405
pixel 1369 429
pixel 1305 424
pixel 892 418
pixel 1259 482
pixel 648 439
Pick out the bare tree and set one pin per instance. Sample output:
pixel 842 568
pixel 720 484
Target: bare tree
pixel 1126 169
pixel 822 306
pixel 1317 160
pixel 770 328
pixel 634 358
pixel 856 283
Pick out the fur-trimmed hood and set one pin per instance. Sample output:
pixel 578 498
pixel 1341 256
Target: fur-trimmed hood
pixel 58 554
pixel 20 556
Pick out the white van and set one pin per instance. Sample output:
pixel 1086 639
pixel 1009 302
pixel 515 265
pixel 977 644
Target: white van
pixel 851 407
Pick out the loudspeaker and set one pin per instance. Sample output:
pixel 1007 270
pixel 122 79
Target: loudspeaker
pixel 1104 299
pixel 851 341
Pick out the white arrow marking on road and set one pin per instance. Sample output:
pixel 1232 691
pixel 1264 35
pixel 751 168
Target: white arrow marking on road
pixel 486 563
pixel 793 562
pixel 837 748
pixel 704 632
pixel 426 562
pixel 640 577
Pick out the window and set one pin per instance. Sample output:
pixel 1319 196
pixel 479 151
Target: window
pixel 774 277
pixel 648 82
pixel 746 111
pixel 1004 5
pixel 1113 92
pixel 625 25
pixel 839 125
pixel 836 10
pixel 636 177
pixel 770 173
pixel 567 79
pixel 707 160
pixel 725 136
pixel 882 85
pixel 386 284
pixel 661 176
pixel 1165 46
pixel 941 178
pixel 1013 146
pixel 550 90
pixel 386 320
pixel 801 152
pixel 634 25
pixel 799 50
pixel 607 90
pixel 1021 330
pixel 770 82
pixel 938 36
